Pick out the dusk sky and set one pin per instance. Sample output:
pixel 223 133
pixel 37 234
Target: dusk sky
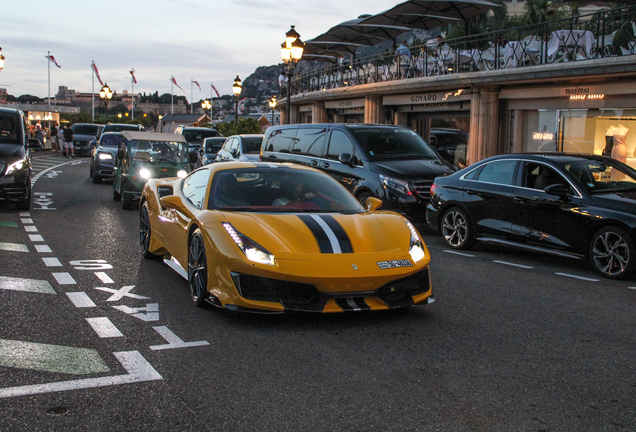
pixel 207 41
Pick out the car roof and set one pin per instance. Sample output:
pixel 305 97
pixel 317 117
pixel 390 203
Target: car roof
pixel 248 135
pixel 232 165
pixel 552 156
pixel 197 128
pixel 153 136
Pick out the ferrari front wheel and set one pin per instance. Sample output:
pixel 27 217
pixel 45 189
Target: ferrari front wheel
pixel 197 268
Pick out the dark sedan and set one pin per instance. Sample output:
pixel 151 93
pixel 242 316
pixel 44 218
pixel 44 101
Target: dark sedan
pixel 83 134
pixel 581 206
pixel 103 156
pixel 209 150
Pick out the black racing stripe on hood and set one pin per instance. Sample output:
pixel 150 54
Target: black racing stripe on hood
pixel 341 234
pixel 321 237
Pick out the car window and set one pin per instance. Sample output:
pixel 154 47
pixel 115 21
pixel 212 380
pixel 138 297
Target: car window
pixel 499 172
pixel 194 187
pixel 281 140
pixel 252 145
pixel 388 143
pixel 310 142
pixel 119 128
pixel 197 136
pixel 84 129
pixel 109 140
pixel 539 176
pixel 339 143
pixel 159 151
pixel 213 145
pixel 606 176
pixel 9 129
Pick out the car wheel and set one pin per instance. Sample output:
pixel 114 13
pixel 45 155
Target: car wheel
pixel 612 253
pixel 91 173
pixel 25 204
pixel 126 199
pixel 363 198
pixel 145 233
pixel 197 269
pixel 116 194
pixel 455 229
pixel 96 177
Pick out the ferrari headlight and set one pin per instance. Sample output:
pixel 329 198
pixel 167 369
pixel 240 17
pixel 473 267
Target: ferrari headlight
pixel 395 184
pixel 105 156
pixel 15 166
pixel 144 173
pixel 416 248
pixel 181 173
pixel 252 250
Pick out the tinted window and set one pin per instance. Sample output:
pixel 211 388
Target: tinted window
pixel 197 136
pixel 607 176
pixel 194 187
pixel 387 143
pixel 310 142
pixel 539 176
pixel 119 128
pixel 213 145
pixel 252 144
pixel 9 129
pixel 339 144
pixel 84 129
pixel 500 172
pixel 110 140
pixel 281 140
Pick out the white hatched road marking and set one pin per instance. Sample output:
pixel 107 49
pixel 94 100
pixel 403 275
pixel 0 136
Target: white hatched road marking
pixel 81 299
pixel 52 262
pixel 28 285
pixel 25 214
pixel 138 368
pixel 173 340
pixel 512 264
pixel 43 248
pixel 35 178
pixel 64 279
pixel 36 238
pixel 104 278
pixel 459 253
pixel 30 228
pixel 104 327
pixel 13 247
pixel 27 221
pixel 577 277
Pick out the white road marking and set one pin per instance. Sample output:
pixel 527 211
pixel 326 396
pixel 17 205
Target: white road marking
pixel 43 248
pixel 28 285
pixel 36 238
pixel 104 278
pixel 52 262
pixel 138 368
pixel 30 228
pixel 631 288
pixel 173 340
pixel 152 310
pixel 13 247
pixel 121 293
pixel 25 214
pixel 91 265
pixel 459 253
pixel 104 327
pixel 81 299
pixel 512 264
pixel 27 221
pixel 64 279
pixel 577 277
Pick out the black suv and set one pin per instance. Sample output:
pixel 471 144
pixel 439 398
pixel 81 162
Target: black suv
pixel 83 134
pixel 195 135
pixel 392 163
pixel 15 158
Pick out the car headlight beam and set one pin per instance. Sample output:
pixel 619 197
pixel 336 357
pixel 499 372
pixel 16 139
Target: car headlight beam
pixel 15 166
pixel 144 173
pixel 416 247
pixel 252 250
pixel 181 173
pixel 105 156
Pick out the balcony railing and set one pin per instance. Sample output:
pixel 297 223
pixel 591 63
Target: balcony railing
pixel 608 33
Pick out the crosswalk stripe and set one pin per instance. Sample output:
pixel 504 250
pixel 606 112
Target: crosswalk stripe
pixel 64 279
pixel 26 285
pixel 80 299
pixel 52 262
pixel 13 247
pixel 104 327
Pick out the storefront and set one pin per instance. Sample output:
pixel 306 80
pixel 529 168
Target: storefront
pixel 346 111
pixel 594 119
pixel 441 118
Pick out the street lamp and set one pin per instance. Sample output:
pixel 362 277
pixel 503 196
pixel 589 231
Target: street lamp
pixel 207 105
pixel 1 60
pixel 237 88
pixel 291 53
pixel 106 95
pixel 272 105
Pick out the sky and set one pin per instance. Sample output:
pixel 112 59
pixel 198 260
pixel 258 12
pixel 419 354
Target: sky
pixel 202 40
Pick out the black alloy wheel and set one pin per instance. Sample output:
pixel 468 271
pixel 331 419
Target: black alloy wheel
pixel 362 197
pixel 145 233
pixel 455 229
pixel 197 269
pixel 612 253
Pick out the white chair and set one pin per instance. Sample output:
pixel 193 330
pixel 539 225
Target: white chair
pixel 630 50
pixel 530 49
pixel 445 59
pixel 605 44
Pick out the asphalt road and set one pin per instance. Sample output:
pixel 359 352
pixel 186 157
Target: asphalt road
pixel 94 337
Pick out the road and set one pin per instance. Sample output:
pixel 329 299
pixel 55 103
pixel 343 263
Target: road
pixel 94 337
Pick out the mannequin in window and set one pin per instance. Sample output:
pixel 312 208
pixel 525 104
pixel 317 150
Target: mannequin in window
pixel 609 141
pixel 619 151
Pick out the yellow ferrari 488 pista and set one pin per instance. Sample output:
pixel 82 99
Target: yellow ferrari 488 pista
pixel 273 238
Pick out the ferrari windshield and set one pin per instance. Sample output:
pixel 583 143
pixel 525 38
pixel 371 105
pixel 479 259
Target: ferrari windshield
pixel 388 143
pixel 604 176
pixel 159 151
pixel 280 189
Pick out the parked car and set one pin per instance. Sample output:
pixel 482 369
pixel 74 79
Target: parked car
pixel 391 163
pixel 275 238
pixel 195 135
pixel 243 148
pixel 145 155
pixel 209 150
pixel 103 156
pixel 451 144
pixel 83 134
pixel 563 204
pixel 15 158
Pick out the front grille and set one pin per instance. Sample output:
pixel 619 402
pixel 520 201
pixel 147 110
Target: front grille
pixel 13 191
pixel 272 290
pixel 401 291
pixel 423 188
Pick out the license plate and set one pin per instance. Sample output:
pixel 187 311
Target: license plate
pixel 394 264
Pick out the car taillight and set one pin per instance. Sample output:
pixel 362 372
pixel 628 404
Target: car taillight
pixel 433 189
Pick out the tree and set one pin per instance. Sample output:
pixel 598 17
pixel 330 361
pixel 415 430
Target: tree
pixel 245 126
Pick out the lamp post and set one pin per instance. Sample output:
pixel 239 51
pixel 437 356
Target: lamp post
pixel 106 95
pixel 291 52
pixel 237 88
pixel 1 60
pixel 207 105
pixel 272 105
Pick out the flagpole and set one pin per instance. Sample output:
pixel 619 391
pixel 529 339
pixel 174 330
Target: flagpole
pixel 172 94
pixel 211 102
pixel 191 95
pixel 48 60
pixel 132 80
pixel 93 88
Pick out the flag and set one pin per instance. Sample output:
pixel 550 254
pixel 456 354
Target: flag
pixel 215 91
pixel 97 74
pixel 52 59
pixel 174 81
pixel 133 76
pixel 197 84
